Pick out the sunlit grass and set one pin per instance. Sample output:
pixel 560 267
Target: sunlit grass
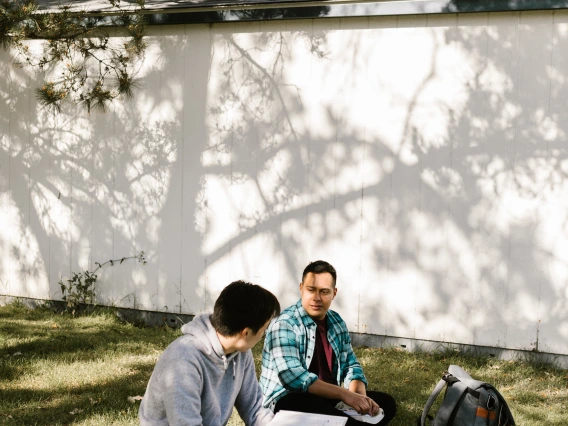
pixel 60 370
pixel 537 394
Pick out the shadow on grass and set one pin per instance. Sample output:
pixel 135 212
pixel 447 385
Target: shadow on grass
pixel 68 404
pixel 33 341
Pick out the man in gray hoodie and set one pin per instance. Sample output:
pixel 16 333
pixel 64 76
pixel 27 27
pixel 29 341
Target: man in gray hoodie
pixel 204 373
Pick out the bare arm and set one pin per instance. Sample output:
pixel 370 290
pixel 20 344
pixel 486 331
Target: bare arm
pixel 329 391
pixel 360 403
pixel 358 386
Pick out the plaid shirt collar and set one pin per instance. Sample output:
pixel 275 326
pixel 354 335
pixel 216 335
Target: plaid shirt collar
pixel 306 318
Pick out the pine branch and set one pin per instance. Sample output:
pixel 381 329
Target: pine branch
pixel 93 72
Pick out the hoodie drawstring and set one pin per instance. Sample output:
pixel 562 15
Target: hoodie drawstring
pixel 226 365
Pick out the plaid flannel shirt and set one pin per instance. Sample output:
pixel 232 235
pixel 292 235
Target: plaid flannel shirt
pixel 289 348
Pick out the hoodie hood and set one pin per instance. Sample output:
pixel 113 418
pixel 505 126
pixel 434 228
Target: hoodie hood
pixel 205 338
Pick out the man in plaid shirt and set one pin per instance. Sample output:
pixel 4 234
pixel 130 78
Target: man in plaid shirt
pixel 308 363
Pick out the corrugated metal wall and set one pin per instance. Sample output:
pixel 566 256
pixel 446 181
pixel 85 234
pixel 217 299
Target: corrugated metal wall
pixel 424 156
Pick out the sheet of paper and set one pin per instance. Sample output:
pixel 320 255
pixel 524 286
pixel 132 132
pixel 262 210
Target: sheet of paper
pixel 362 418
pixel 367 418
pixel 295 418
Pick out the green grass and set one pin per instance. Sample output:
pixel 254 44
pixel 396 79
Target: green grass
pixel 60 370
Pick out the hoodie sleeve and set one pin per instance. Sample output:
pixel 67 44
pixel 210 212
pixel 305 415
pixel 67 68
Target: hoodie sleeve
pixel 181 392
pixel 249 399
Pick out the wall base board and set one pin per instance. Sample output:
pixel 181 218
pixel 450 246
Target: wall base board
pixel 158 319
pixel 412 345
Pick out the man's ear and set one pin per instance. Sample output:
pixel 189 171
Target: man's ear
pixel 301 284
pixel 334 292
pixel 245 332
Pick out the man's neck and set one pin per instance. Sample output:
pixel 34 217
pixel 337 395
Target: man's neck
pixel 318 319
pixel 227 343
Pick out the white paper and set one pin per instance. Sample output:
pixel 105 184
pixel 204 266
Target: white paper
pixel 367 418
pixel 295 418
pixel 362 418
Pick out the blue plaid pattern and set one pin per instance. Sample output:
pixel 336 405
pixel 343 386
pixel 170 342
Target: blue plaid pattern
pixel 289 348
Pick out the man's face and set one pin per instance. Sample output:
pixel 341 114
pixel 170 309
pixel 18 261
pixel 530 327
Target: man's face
pixel 317 292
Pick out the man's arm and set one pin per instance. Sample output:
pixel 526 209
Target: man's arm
pixel 181 392
pixel 360 402
pixel 249 399
pixel 282 343
pixel 350 367
pixel 358 386
pixel 351 371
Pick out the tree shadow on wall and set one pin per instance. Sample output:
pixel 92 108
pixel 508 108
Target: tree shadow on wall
pixel 451 216
pixel 430 207
pixel 78 189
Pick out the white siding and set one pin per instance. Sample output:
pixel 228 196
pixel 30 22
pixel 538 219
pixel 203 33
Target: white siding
pixel 425 157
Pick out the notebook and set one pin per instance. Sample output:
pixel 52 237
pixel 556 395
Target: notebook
pixel 295 418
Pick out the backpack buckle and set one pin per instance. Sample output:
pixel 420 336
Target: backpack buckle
pixel 450 379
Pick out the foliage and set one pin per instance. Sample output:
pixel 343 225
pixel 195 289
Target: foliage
pixel 80 288
pixel 92 69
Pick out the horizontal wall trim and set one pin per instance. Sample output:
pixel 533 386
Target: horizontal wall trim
pixel 230 12
pixel 429 346
pixel 173 320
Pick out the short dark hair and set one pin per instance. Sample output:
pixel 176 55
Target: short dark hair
pixel 320 267
pixel 241 305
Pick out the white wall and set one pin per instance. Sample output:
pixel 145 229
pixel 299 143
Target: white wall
pixel 424 157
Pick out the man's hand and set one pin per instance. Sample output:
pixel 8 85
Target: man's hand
pixel 358 387
pixel 352 396
pixel 361 403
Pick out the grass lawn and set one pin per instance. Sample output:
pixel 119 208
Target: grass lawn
pixel 88 370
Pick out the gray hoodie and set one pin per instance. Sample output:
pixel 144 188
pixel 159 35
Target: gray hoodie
pixel 195 384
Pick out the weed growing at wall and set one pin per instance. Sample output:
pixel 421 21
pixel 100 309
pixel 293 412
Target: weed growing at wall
pixel 80 287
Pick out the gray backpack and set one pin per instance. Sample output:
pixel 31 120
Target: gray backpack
pixel 467 402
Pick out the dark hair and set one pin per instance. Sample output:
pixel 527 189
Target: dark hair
pixel 320 267
pixel 241 305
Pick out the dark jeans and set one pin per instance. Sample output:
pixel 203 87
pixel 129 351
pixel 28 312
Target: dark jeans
pixel 309 403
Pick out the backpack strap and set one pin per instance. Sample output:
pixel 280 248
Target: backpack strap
pixel 458 389
pixel 455 394
pixel 441 384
